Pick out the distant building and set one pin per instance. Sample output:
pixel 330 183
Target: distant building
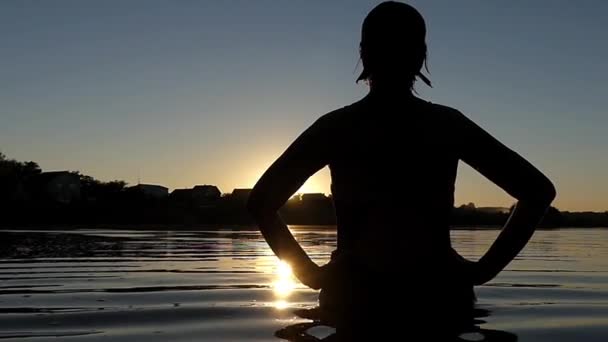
pixel 56 186
pixel 152 191
pixel 313 197
pixel 200 195
pixel 181 196
pixel 206 193
pixel 240 195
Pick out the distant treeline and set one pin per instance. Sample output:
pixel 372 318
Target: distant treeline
pixel 30 197
pixel 467 216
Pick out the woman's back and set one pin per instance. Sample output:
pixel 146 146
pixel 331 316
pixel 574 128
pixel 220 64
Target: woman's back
pixel 393 165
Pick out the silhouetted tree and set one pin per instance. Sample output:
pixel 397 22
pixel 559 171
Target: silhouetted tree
pixel 92 189
pixel 14 175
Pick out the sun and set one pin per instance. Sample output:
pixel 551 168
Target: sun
pixel 318 183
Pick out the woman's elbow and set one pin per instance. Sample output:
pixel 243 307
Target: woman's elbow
pixel 539 191
pixel 550 192
pixel 544 193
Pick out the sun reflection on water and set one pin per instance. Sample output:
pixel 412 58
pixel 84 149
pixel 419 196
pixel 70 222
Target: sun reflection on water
pixel 283 285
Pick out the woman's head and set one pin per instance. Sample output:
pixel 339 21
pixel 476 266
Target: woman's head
pixel 393 47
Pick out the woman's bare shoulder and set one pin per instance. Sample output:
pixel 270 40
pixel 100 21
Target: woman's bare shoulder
pixel 447 115
pixel 338 117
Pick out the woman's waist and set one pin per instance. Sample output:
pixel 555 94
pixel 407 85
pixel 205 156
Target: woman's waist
pixel 394 250
pixel 427 267
pixel 351 277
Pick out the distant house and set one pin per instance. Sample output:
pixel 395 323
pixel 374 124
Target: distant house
pixel 200 195
pixel 206 193
pixel 240 195
pixel 56 186
pixel 181 196
pixel 151 190
pixel 313 197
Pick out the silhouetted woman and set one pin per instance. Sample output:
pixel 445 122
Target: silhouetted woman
pixel 393 160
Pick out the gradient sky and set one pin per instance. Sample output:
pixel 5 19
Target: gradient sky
pixel 193 92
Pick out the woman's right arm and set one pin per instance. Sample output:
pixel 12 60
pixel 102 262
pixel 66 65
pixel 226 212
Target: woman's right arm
pixel 507 169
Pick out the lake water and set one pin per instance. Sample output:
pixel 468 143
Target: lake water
pixel 116 285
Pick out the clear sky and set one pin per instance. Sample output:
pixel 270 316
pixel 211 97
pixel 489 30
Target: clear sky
pixel 193 92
